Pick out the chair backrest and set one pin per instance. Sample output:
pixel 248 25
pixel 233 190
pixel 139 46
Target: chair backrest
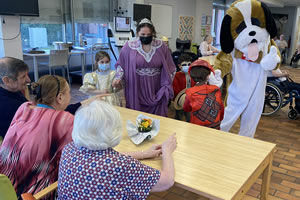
pixel 7 191
pixel 41 194
pixel 58 57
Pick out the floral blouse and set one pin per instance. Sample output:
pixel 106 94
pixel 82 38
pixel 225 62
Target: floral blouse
pixel 103 174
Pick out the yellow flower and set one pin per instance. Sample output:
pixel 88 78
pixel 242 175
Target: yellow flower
pixel 145 124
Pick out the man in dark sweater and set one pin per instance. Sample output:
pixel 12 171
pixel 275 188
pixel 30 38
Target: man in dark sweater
pixel 13 81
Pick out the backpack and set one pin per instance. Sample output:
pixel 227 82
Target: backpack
pixel 207 105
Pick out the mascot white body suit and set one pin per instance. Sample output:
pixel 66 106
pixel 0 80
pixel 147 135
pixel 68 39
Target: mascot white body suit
pixel 247 54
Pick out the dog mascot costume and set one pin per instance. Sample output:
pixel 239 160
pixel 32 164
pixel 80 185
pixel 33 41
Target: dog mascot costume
pixel 248 52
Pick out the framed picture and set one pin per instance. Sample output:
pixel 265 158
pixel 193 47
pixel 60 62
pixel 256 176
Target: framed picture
pixel 203 32
pixel 203 20
pixel 208 20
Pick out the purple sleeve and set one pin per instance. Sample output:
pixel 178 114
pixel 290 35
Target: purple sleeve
pixel 121 62
pixel 169 60
pixel 119 73
pixel 142 178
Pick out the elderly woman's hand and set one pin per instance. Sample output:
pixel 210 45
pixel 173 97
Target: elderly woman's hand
pixel 169 146
pixel 285 73
pixel 153 151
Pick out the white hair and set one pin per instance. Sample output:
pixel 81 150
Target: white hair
pixel 97 126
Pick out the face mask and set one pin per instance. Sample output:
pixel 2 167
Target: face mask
pixel 104 67
pixel 185 68
pixel 146 40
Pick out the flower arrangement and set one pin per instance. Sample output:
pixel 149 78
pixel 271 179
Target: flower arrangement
pixel 145 125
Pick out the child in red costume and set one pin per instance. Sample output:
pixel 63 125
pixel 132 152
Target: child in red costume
pixel 203 101
pixel 181 81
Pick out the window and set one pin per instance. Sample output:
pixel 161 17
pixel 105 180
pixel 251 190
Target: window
pixel 217 17
pixel 42 31
pixel 64 20
pixel 91 19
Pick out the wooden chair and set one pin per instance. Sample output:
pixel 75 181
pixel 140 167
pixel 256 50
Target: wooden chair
pixel 48 190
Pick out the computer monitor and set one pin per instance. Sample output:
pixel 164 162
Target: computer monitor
pixel 122 24
pixel 20 7
pixel 141 11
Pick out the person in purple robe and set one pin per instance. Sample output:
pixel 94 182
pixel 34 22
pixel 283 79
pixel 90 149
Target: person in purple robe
pixel 145 69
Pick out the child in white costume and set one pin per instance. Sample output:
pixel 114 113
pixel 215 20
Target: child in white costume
pixel 247 55
pixel 99 81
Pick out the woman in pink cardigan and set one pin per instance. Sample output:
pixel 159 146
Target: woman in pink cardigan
pixel 30 152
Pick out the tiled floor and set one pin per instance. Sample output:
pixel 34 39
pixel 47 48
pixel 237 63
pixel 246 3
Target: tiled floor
pixel 285 181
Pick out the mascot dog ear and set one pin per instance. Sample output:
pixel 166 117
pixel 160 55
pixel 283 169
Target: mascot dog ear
pixel 270 23
pixel 226 40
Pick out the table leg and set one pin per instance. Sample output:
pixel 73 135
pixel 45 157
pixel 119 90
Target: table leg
pixel 266 178
pixel 82 65
pixel 35 69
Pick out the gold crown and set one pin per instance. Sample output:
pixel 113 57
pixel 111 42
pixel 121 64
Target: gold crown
pixel 145 21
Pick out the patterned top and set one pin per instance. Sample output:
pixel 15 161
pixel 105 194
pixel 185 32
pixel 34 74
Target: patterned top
pixel 97 80
pixel 103 174
pixel 101 81
pixel 31 149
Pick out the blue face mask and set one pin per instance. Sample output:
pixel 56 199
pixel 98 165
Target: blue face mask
pixel 185 68
pixel 104 67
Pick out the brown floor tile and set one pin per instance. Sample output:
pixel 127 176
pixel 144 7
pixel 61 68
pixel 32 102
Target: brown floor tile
pixel 281 188
pixel 284 177
pixel 177 190
pixel 172 196
pixel 286 196
pixel 296 193
pixel 291 185
pixel 190 195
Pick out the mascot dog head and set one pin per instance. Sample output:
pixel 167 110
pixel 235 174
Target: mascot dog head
pixel 247 26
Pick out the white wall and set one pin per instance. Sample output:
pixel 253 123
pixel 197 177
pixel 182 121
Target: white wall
pixel 296 32
pixel 180 8
pixel 195 8
pixel 10 29
pixel 203 7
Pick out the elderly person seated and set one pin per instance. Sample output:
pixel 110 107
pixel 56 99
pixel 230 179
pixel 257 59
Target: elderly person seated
pixel 206 48
pixel 91 169
pixel 30 152
pixel 282 46
pixel 285 84
pixel 13 82
pixel 296 56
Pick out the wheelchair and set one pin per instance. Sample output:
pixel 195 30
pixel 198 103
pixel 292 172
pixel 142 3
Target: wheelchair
pixel 277 96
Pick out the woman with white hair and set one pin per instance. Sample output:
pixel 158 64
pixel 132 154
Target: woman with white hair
pixel 206 48
pixel 91 169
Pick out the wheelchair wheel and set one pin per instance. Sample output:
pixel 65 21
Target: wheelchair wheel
pixel 292 114
pixel 273 99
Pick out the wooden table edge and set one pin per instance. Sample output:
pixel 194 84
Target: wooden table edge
pixel 264 169
pixel 197 192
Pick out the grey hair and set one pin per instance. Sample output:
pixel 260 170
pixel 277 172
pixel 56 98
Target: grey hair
pixel 11 67
pixel 207 36
pixel 97 126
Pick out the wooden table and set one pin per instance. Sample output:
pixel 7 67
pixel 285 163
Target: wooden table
pixel 211 59
pixel 47 53
pixel 209 162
